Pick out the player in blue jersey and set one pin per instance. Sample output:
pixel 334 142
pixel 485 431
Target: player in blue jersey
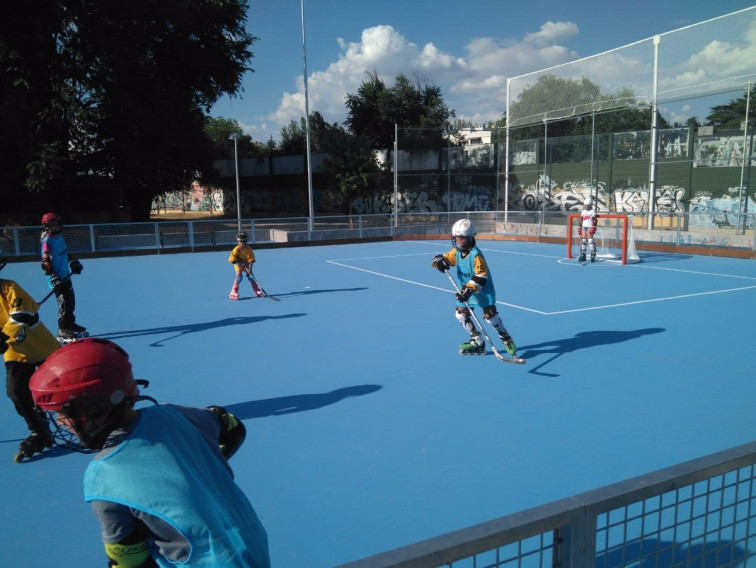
pixel 58 269
pixel 476 288
pixel 160 486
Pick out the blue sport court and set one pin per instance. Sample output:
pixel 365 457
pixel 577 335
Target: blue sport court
pixel 366 430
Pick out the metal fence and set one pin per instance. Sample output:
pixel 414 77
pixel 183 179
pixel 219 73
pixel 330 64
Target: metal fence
pixel 673 230
pixel 700 513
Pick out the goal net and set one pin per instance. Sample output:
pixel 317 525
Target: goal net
pixel 613 238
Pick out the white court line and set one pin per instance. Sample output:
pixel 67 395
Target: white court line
pixel 561 312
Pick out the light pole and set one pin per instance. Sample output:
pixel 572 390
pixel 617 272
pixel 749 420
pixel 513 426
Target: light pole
pixel 235 137
pixel 307 124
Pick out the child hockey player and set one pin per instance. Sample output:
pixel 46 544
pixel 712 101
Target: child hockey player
pixel 160 486
pixel 25 342
pixel 477 288
pixel 58 269
pixel 242 258
pixel 587 229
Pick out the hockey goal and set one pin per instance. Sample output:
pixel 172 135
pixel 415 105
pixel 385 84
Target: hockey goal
pixel 613 238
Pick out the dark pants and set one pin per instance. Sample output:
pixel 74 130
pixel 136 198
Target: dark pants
pixel 17 376
pixel 66 304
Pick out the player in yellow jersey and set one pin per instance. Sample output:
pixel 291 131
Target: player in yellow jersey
pixel 25 343
pixel 242 257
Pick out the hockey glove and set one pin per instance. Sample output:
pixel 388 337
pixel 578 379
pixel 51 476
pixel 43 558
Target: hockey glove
pixel 47 266
pixel 592 231
pixel 440 263
pixel 75 266
pixel 464 294
pixel 580 231
pixel 3 345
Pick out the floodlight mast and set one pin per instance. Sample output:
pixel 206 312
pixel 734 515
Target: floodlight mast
pixel 235 137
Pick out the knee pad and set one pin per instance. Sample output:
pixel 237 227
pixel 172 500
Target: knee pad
pixel 489 312
pixel 463 315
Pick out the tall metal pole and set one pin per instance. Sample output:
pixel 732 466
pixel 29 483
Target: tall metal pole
pixel 235 137
pixel 307 123
pixel 654 137
pixel 746 155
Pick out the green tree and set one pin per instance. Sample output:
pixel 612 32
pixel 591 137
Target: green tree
pixel 124 106
pixel 219 130
pixel 729 116
pixel 374 110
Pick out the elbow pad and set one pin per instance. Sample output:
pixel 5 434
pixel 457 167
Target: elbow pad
pixel 232 431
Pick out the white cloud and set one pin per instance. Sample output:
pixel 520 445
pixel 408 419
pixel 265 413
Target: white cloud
pixel 474 84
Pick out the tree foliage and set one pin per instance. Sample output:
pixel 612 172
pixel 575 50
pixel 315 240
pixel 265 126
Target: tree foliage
pixel 219 131
pixel 374 110
pixel 114 96
pixel 730 116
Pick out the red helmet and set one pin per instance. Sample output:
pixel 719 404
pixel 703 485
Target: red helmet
pixel 48 218
pixel 92 368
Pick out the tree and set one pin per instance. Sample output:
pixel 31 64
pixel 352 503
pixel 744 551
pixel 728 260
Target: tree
pixel 376 108
pixel 126 101
pixel 219 130
pixel 294 135
pixel 351 167
pixel 729 116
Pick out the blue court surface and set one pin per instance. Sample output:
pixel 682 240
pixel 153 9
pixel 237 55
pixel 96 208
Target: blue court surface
pixel 366 430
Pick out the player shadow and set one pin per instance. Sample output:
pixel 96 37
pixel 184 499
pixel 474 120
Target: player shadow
pixel 296 403
pixel 582 340
pixel 181 330
pixel 650 552
pixel 325 291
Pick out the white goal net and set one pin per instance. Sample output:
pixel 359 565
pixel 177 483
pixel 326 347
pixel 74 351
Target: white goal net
pixel 614 239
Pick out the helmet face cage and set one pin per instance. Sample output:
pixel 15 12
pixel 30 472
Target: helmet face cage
pixel 85 424
pixel 463 228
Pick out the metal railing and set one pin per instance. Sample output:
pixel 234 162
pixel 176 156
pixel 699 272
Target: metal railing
pixel 690 229
pixel 699 513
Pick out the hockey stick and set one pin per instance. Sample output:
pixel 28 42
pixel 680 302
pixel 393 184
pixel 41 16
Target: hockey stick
pixel 51 292
pixel 265 294
pixel 499 356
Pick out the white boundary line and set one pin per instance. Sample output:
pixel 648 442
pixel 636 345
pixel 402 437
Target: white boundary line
pixel 559 259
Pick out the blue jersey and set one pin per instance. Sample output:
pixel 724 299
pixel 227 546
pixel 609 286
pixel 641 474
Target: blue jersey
pixel 474 269
pixel 55 247
pixel 166 468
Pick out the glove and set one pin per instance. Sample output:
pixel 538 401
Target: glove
pixel 47 266
pixel 440 263
pixel 464 294
pixel 75 266
pixel 592 231
pixel 580 231
pixel 3 345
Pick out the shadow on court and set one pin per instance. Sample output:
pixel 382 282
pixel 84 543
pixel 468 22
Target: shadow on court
pixel 181 330
pixel 583 340
pixel 296 403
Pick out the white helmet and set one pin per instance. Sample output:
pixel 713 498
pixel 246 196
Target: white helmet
pixel 588 201
pixel 464 228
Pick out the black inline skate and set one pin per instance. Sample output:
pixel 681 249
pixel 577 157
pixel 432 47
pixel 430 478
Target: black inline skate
pixel 34 444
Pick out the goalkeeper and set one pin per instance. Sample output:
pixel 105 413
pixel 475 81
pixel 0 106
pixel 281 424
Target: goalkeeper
pixel 586 230
pixel 476 288
pixel 160 486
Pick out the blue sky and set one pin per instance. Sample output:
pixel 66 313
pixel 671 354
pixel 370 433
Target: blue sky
pixel 469 49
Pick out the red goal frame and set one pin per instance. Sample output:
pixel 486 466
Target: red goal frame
pixel 600 216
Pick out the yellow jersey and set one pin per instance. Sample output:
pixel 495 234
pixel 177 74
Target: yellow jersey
pixel 27 343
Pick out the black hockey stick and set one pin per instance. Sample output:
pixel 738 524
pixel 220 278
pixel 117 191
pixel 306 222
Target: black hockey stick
pixel 265 294
pixel 51 292
pixel 499 356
